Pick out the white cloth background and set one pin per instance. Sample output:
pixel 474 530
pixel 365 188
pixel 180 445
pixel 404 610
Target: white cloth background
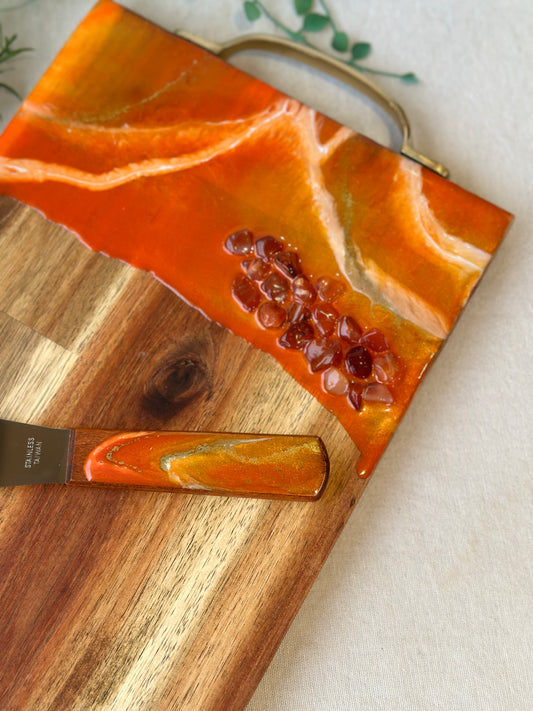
pixel 426 600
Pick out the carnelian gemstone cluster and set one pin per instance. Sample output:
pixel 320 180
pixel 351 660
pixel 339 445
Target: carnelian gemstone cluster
pixel 353 362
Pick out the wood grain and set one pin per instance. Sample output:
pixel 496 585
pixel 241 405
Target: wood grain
pixel 138 600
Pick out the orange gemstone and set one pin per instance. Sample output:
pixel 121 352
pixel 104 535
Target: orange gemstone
pixel 375 340
pixel 321 354
pixel 271 315
pixel 334 382
pixel 288 263
pixel 358 362
pixel 267 247
pixel 303 290
pixel 355 397
pixel 245 292
pixel 329 289
pixel 298 312
pixel 297 336
pixel 257 269
pixel 376 392
pixel 386 368
pixel 240 242
pixel 276 287
pixel 348 329
pixel 325 316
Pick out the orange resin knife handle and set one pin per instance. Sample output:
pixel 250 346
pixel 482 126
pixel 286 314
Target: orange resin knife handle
pixel 263 466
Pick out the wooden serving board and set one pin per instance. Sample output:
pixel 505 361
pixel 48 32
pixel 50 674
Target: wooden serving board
pixel 137 600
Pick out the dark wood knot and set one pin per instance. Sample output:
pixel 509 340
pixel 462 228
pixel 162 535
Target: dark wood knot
pixel 176 383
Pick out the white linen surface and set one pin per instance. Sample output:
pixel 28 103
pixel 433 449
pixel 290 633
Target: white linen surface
pixel 426 600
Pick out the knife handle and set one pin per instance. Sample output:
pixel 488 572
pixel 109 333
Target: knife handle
pixel 290 467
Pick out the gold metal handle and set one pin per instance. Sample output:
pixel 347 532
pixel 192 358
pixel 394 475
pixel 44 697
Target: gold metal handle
pixel 335 68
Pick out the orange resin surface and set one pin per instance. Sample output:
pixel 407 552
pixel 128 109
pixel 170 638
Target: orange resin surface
pixel 290 467
pixel 155 151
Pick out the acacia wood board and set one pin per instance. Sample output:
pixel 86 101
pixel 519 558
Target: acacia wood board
pixel 141 600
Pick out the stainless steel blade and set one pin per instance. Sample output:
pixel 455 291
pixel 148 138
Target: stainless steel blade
pixel 31 454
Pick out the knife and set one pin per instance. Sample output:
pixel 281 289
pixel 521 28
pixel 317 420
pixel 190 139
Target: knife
pixel 293 467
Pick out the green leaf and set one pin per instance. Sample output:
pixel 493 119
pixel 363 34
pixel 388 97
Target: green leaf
pixel 252 11
pixel 360 50
pixel 409 78
pixel 303 6
pixel 340 41
pixel 315 22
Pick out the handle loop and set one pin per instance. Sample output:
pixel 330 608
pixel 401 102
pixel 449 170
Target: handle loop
pixel 335 68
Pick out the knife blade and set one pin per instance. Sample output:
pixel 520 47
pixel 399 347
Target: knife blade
pixel 293 467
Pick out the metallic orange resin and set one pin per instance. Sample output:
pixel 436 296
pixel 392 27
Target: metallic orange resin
pixel 153 150
pixel 291 466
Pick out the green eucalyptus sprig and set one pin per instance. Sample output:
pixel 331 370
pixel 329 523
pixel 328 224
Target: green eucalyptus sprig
pixel 7 52
pixel 314 22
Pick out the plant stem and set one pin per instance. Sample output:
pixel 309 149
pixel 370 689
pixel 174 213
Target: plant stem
pixel 7 53
pixel 409 77
pixel 327 13
pixel 299 36
pixel 296 36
